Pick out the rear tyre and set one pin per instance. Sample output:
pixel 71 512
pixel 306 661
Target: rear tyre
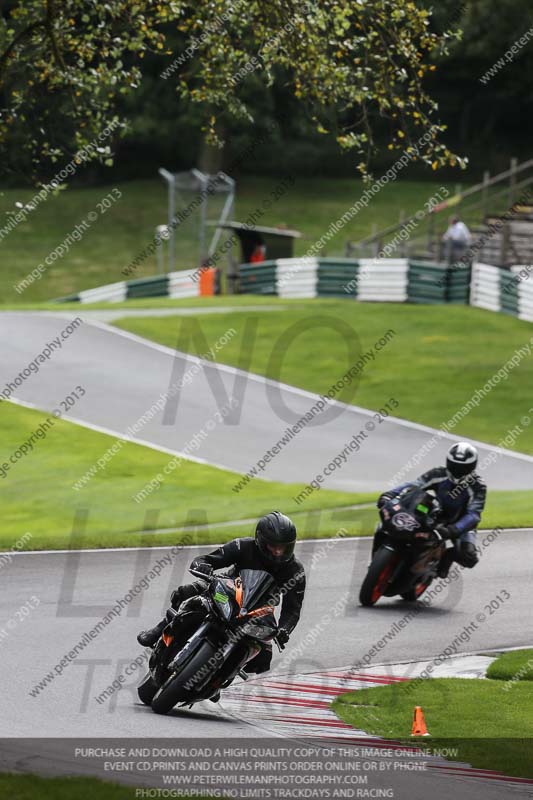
pixel 378 576
pixel 173 690
pixel 147 690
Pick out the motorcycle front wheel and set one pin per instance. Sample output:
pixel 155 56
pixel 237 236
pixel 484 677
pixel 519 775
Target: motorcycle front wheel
pixel 378 576
pixel 174 690
pixel 147 690
pixel 418 591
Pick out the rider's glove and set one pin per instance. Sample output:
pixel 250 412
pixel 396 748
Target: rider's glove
pixel 448 531
pixel 176 598
pixel 205 569
pixel 384 498
pixel 282 636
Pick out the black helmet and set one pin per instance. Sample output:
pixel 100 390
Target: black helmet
pixel 275 536
pixel 461 461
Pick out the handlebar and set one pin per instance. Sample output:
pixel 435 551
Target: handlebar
pixel 199 574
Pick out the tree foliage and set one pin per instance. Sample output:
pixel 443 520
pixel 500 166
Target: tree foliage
pixel 354 65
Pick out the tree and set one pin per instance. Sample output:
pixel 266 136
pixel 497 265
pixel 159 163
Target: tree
pixel 484 88
pixel 64 65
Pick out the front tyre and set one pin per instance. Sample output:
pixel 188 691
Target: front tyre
pixel 413 594
pixel 147 690
pixel 174 690
pixel 378 576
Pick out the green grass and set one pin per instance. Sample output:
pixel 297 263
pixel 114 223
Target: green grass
pixel 435 361
pixel 33 787
pixel 508 510
pixel 159 302
pixel 38 496
pixel 514 666
pixel 125 229
pixel 490 729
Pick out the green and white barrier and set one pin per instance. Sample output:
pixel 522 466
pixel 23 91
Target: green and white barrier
pixel 184 283
pixel 383 280
pixel 486 287
pixel 394 280
pixel 337 277
pixel 296 277
pixel 111 293
pixel 510 291
pixel 367 279
pixel 517 295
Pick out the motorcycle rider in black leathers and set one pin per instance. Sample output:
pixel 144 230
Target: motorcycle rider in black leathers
pixel 461 494
pixel 272 550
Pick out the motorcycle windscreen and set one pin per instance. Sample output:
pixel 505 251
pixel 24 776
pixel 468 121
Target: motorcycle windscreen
pixel 256 583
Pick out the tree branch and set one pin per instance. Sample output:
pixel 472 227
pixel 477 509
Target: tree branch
pixel 50 15
pixel 6 55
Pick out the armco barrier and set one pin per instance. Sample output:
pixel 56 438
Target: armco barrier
pixel 112 293
pixel 185 283
pixel 383 280
pixel 510 291
pixel 255 280
pixel 337 277
pixel 438 283
pixel 486 287
pixel 510 295
pixel 378 280
pixel 525 300
pixel 427 282
pixel 148 287
pixel 296 277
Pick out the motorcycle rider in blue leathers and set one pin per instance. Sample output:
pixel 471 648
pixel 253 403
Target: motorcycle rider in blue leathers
pixel 461 494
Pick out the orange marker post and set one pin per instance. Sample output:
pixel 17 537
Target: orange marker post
pixel 207 282
pixel 419 723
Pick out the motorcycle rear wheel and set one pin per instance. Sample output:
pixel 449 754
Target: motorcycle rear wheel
pixel 173 691
pixel 378 576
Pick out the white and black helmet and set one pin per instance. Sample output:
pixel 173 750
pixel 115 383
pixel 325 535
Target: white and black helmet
pixel 461 461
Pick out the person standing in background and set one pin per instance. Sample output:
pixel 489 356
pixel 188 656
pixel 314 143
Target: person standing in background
pixel 456 239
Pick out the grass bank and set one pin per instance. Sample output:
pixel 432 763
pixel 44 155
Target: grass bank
pixel 431 359
pixel 39 498
pixel 477 718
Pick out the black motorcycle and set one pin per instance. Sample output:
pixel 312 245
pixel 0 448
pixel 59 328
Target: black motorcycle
pixel 210 639
pixel 406 563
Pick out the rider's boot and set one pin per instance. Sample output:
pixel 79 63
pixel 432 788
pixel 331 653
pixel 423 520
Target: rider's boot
pixel 149 638
pixel 445 563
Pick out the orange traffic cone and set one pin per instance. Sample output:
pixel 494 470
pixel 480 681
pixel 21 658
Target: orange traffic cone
pixel 419 723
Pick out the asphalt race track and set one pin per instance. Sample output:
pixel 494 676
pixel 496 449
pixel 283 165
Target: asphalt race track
pixel 123 377
pixel 77 589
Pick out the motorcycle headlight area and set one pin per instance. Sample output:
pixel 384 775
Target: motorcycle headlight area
pixel 257 629
pixel 223 602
